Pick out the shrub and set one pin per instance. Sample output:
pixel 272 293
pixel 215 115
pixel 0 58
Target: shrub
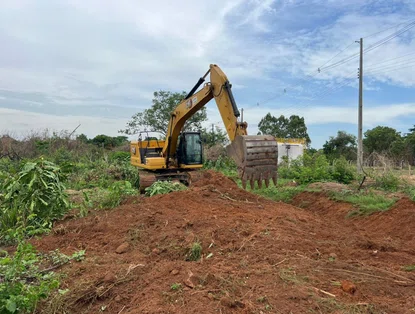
pixel 116 193
pixel 342 172
pixel 120 157
pixel 32 199
pixel 387 181
pixel 308 169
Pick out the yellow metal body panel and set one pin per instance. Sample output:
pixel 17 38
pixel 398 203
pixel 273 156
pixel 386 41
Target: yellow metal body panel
pixel 153 163
pixel 191 166
pixel 291 140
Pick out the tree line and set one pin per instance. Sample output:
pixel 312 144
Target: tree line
pixel 381 139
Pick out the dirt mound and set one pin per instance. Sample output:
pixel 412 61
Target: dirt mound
pixel 397 223
pixel 210 177
pixel 258 256
pixel 329 186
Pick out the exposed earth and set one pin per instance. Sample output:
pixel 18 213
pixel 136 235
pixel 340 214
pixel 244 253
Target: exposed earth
pixel 258 256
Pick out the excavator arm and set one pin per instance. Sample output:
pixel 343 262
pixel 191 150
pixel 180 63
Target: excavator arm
pixel 255 156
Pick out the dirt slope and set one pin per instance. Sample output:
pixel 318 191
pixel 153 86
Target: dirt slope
pixel 259 256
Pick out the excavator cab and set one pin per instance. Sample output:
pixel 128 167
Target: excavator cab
pixel 189 150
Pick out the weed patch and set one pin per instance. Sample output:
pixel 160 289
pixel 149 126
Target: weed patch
pixel 23 282
pixel 409 268
pixel 164 187
pixel 280 193
pixel 366 203
pixel 195 252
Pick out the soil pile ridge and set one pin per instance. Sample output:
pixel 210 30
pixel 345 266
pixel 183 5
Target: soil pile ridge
pixel 257 256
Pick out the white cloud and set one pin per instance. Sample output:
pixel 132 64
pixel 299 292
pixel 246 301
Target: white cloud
pixel 20 122
pixel 115 54
pixel 320 115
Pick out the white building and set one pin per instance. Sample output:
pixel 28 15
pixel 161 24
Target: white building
pixel 291 148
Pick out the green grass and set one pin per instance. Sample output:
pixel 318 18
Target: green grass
pixel 366 203
pixel 195 252
pixel 176 286
pixel 409 268
pixel 280 193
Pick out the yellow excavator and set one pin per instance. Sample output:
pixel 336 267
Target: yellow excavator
pixel 181 153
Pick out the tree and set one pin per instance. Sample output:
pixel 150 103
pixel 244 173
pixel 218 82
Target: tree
pixel 157 118
pixel 292 127
pixel 214 137
pixel 344 144
pixel 410 145
pixel 108 141
pixel 82 138
pixel 380 139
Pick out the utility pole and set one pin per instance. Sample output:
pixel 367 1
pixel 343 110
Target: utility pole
pixel 360 120
pixel 213 133
pixel 242 114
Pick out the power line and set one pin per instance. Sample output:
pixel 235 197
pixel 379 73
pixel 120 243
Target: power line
pixel 399 63
pixel 372 47
pixel 297 85
pixel 390 37
pixel 348 58
pixel 388 60
pixel 381 71
pixel 322 93
pixel 386 29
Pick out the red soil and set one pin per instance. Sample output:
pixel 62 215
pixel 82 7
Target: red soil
pixel 258 256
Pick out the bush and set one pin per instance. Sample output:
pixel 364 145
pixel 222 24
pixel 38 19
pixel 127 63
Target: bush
pixel 120 157
pixel 342 172
pixel 307 169
pixel 32 199
pixel 387 181
pixel 22 284
pixel 224 164
pixel 116 193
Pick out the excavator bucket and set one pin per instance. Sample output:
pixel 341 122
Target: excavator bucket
pixel 256 157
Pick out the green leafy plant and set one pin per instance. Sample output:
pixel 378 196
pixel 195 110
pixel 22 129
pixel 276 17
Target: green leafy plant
pixel 307 169
pixel 22 283
pixel 164 187
pixel 195 252
pixel 116 193
pixel 176 286
pixel 32 199
pixel 342 172
pixel 387 181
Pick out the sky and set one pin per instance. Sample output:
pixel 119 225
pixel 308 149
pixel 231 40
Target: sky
pixel 98 62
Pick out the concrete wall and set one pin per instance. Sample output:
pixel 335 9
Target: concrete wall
pixel 291 150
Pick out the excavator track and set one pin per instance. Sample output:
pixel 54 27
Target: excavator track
pixel 256 157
